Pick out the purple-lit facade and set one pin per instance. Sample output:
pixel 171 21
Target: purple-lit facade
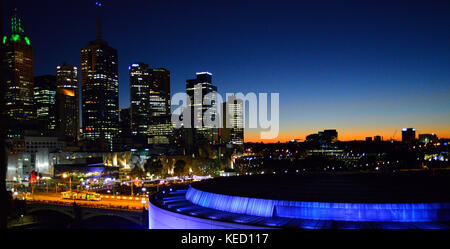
pixel 380 212
pixel 196 209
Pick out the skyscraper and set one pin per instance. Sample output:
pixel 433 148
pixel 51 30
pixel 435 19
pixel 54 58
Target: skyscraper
pixel 125 122
pixel 202 84
pixel 160 129
pixel 45 103
pixel 408 135
pixel 150 104
pixel 126 141
pixel 100 93
pixel 67 111
pixel 140 97
pixel 233 121
pixel 18 85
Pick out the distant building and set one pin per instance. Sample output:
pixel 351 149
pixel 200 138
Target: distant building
pixel 18 85
pixel 323 138
pixel 202 84
pixel 33 156
pixel 150 104
pixel 125 138
pixel 45 102
pixel 328 136
pixel 100 93
pixel 312 138
pixel 125 122
pixel 368 139
pixel 67 99
pixel 428 138
pixel 232 130
pixel 408 135
pixel 160 130
pixel 377 138
pixel 38 149
pixel 139 99
pixel 325 152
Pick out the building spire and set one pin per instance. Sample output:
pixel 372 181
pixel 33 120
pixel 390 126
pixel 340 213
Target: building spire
pixel 99 21
pixel 16 25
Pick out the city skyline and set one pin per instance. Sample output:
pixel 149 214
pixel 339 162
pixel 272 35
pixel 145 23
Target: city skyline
pixel 333 89
pixel 229 115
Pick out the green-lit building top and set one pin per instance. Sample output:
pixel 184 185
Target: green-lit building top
pixel 17 32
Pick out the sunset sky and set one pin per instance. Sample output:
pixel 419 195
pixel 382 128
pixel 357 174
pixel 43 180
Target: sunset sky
pixel 365 68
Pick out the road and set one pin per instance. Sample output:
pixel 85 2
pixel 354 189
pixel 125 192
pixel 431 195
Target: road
pixel 107 201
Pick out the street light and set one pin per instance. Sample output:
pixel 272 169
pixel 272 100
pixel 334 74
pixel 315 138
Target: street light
pixel 143 203
pixel 70 180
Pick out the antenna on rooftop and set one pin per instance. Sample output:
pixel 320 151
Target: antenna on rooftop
pixel 98 4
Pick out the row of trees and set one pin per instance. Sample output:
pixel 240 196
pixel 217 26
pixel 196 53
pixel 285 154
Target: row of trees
pixel 180 168
pixel 156 168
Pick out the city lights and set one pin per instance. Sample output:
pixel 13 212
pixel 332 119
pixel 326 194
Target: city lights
pixel 129 115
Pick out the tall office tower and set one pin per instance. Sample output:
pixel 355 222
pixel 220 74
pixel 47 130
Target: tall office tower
pixel 126 142
pixel 45 103
pixel 125 122
pixel 140 97
pixel 160 129
pixel 408 135
pixel 67 108
pixel 232 121
pixel 100 93
pixel 18 79
pixel 150 104
pixel 202 84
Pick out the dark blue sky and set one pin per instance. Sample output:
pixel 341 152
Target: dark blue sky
pixel 363 67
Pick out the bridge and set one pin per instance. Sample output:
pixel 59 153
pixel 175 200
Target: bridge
pixel 79 212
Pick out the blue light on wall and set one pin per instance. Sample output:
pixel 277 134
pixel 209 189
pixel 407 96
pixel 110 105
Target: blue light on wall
pixel 382 212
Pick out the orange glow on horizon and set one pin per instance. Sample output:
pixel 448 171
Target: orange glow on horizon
pixel 254 137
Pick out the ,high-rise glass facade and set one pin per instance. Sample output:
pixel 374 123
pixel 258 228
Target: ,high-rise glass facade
pixel 150 103
pixel 45 102
pixel 233 121
pixel 100 94
pixel 18 85
pixel 202 84
pixel 139 98
pixel 67 96
pixel 160 128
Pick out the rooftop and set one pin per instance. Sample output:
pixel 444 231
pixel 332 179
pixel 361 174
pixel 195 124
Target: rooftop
pixel 346 188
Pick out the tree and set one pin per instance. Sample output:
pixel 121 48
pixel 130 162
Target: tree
pixel 153 166
pixel 179 167
pixel 137 172
pixel 213 167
